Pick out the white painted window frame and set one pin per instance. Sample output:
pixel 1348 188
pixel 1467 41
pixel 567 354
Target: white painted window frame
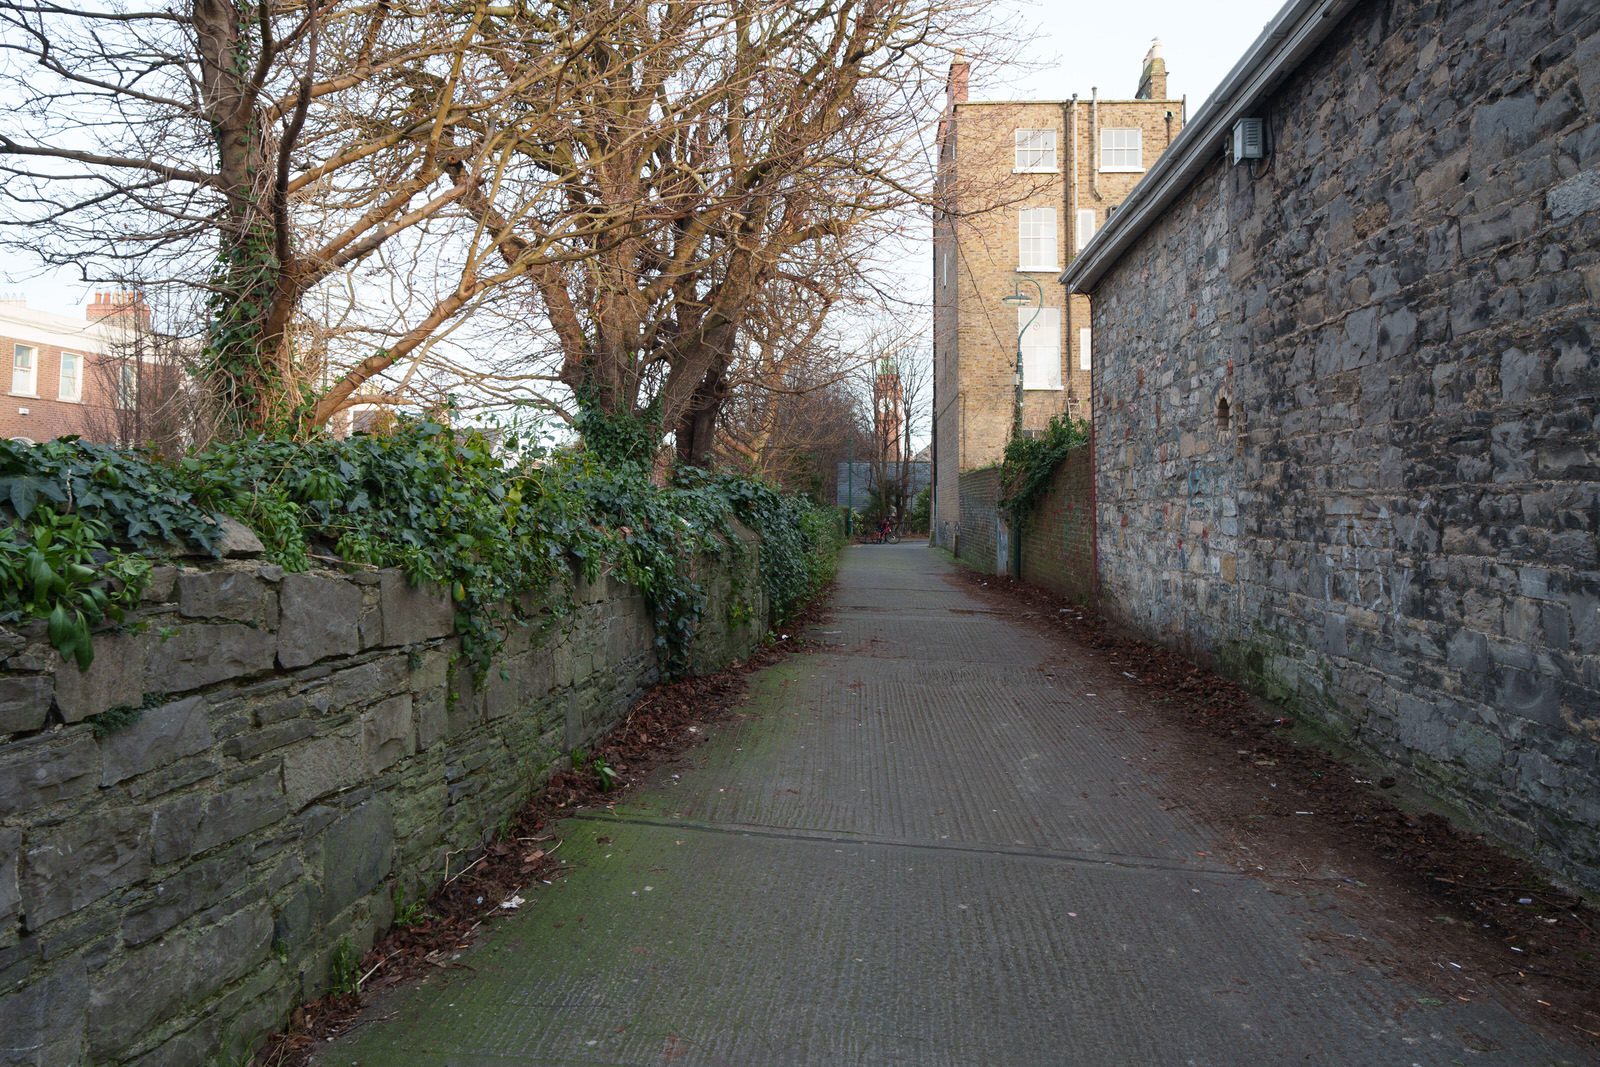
pixel 128 386
pixel 29 379
pixel 75 396
pixel 1085 347
pixel 1119 151
pixel 1034 152
pixel 1037 250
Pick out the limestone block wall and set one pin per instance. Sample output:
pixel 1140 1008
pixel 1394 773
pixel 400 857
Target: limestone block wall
pixel 1348 409
pixel 309 745
pixel 1058 532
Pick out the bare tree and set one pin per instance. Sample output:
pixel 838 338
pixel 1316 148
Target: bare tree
pixel 915 368
pixel 791 414
pixel 256 150
pixel 143 383
pixel 757 151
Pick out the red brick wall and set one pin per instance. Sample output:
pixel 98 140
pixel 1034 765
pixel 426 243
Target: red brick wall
pixel 48 416
pixel 1058 535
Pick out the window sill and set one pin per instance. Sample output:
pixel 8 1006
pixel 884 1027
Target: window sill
pixel 70 399
pixel 25 396
pixel 1043 388
pixel 1123 170
pixel 1038 270
pixel 1035 170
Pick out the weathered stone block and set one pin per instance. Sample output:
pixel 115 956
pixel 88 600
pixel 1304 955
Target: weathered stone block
pixel 115 678
pixel 76 863
pixel 159 586
pixel 43 1023
pixel 321 767
pixel 318 617
pixel 200 655
pixel 10 895
pixel 382 677
pixel 252 743
pixel 188 891
pixel 25 702
pixel 1575 196
pixel 44 769
pixel 370 623
pixel 432 722
pixel 161 736
pixel 235 540
pixel 386 734
pixel 357 853
pixel 155 982
pixel 191 824
pixel 231 594
pixel 412 615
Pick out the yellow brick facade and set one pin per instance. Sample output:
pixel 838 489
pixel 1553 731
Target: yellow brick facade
pixel 977 261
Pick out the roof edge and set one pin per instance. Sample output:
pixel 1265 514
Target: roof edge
pixel 1284 43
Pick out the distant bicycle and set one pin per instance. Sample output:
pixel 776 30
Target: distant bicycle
pixel 887 533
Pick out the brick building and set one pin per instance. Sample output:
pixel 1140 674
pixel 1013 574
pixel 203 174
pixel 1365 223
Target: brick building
pixel 888 410
pixel 1022 186
pixel 67 376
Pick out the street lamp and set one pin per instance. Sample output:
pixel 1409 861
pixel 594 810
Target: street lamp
pixel 1018 299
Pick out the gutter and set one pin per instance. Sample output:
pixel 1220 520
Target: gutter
pixel 1284 44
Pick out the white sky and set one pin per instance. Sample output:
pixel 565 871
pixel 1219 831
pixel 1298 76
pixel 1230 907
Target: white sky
pixel 1081 45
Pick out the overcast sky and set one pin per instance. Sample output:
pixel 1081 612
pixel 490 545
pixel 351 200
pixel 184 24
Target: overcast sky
pixel 1076 46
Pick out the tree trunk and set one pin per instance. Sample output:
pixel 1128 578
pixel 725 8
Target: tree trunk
pixel 697 426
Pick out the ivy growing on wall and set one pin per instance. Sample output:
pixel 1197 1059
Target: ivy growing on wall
pixel 488 521
pixel 1031 461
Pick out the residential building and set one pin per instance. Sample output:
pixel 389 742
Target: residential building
pixel 66 376
pixel 1021 187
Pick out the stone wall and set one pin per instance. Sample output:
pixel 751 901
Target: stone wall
pixel 310 745
pixel 1348 437
pixel 981 538
pixel 1058 533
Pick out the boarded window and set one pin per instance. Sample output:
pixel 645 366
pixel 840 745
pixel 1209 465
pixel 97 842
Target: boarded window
pixel 1041 347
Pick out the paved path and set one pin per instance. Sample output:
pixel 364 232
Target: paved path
pixel 933 842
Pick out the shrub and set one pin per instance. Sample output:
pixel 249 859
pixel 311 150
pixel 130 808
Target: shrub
pixel 1030 461
pixel 487 523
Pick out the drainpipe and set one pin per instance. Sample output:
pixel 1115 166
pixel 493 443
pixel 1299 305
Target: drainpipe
pixel 1016 549
pixel 1072 184
pixel 1094 139
pixel 1069 113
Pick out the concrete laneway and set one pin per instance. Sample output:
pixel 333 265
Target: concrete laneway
pixel 932 842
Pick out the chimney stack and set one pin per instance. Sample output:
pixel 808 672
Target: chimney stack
pixel 118 304
pixel 1153 81
pixel 956 86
